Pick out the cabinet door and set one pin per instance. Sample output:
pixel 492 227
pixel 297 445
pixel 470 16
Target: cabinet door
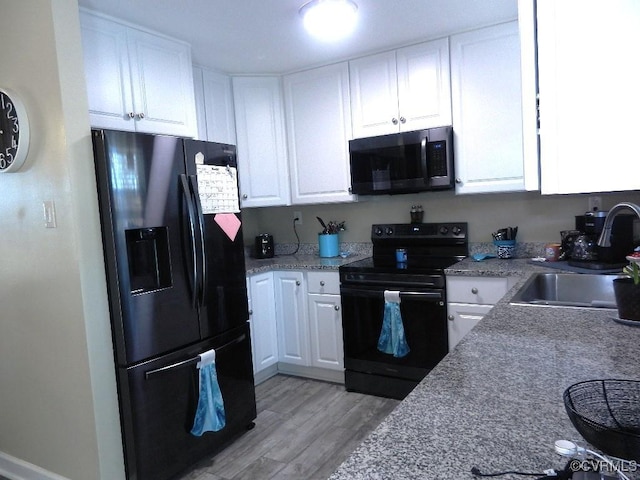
pixel 325 321
pixel 486 290
pixel 487 110
pixel 201 116
pixel 462 317
pixel 262 310
pixel 293 331
pixel 218 103
pixel 262 158
pixel 319 129
pixel 374 95
pixel 108 78
pixel 424 92
pixel 589 95
pixel 162 80
pixel 323 281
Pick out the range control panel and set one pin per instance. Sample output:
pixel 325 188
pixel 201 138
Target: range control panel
pixel 425 231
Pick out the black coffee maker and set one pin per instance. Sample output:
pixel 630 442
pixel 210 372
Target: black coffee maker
pixel 264 246
pixel 586 252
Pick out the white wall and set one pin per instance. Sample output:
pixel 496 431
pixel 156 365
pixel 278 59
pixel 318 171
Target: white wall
pixel 58 406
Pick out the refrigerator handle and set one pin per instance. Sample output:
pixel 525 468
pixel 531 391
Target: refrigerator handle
pixel 191 361
pixel 186 191
pixel 198 206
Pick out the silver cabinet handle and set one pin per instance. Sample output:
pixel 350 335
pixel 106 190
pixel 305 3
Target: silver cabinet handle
pixel 298 282
pixel 250 312
pixel 336 307
pixel 403 120
pixel 322 283
pixel 131 114
pixel 394 121
pixel 451 318
pixel 140 116
pixel 458 180
pixel 244 196
pixel 474 290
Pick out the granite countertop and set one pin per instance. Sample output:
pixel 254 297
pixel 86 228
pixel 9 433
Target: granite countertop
pixel 495 401
pixel 298 262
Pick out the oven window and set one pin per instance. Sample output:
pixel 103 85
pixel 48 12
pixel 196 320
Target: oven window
pixel 425 326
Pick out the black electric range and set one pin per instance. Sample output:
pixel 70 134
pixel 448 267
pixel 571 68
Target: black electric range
pixel 408 260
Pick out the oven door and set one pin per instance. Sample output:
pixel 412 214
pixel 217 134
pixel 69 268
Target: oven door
pixel 424 319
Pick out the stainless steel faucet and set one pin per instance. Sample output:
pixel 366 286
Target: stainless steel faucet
pixel 605 236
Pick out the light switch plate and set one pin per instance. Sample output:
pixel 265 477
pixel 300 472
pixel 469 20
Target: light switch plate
pixel 49 214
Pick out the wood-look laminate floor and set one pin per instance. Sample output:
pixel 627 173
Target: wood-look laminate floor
pixel 304 430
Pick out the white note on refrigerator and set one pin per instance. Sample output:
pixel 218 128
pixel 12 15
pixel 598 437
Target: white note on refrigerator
pixel 218 189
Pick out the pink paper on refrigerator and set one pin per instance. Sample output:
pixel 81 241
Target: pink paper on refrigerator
pixel 229 223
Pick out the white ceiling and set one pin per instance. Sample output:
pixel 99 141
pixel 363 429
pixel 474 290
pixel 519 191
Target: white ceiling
pixel 266 36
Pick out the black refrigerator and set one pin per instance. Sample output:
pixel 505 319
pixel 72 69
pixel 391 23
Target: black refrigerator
pixel 174 256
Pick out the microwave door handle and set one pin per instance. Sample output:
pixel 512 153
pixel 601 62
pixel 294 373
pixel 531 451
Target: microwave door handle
pixel 423 160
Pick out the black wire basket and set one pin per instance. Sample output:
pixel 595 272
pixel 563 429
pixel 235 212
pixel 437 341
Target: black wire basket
pixel 607 415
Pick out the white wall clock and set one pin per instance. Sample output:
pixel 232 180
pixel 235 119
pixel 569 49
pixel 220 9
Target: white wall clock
pixel 14 132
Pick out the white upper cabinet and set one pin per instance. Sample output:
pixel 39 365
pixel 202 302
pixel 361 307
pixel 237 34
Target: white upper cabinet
pixel 487 104
pixel 403 90
pixel 262 151
pixel 137 80
pixel 318 121
pixel 589 79
pixel 214 106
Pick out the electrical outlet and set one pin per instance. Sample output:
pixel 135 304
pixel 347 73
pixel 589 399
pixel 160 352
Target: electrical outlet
pixel 298 215
pixel 595 203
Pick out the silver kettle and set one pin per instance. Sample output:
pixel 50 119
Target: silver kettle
pixel 584 248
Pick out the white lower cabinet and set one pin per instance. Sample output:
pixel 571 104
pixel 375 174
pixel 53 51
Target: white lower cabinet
pixel 469 299
pixel 296 324
pixel 462 317
pixel 262 316
pixel 325 320
pixel 292 318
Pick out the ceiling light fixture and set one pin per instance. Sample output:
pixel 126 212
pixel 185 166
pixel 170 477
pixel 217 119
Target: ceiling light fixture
pixel 329 20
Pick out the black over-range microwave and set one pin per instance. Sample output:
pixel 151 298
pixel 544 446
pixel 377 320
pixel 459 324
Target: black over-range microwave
pixel 404 162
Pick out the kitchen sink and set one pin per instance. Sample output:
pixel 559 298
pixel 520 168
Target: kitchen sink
pixel 567 290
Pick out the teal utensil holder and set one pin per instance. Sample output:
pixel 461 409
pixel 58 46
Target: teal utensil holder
pixel 329 245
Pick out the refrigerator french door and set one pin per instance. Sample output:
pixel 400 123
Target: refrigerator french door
pixel 176 282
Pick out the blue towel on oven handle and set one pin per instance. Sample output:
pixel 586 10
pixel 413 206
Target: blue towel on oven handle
pixel 392 338
pixel 210 415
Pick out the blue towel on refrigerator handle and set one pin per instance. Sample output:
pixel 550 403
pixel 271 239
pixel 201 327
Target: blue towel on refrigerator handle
pixel 210 416
pixel 392 339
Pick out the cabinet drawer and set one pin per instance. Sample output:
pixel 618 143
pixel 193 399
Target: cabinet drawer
pixel 481 290
pixel 323 282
